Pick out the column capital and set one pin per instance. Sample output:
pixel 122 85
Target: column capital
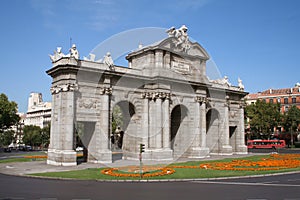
pixel 156 95
pixel 106 90
pixel 64 88
pixel 200 99
pixel 227 101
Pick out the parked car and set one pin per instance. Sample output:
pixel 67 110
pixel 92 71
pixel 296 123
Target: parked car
pixel 79 149
pixel 7 149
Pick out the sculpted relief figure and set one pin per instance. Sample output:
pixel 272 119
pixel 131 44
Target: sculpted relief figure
pixel 181 36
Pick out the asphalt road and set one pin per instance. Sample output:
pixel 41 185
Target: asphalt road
pixel 283 187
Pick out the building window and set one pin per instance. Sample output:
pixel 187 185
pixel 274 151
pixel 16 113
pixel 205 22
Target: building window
pixel 286 100
pixel 278 100
pixel 286 108
pixel 271 100
pixel 294 100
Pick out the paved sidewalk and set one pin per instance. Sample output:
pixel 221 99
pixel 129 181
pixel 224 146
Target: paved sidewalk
pixel 24 168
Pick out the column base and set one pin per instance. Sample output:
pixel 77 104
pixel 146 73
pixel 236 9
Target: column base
pixel 199 152
pixel 226 150
pixel 241 149
pixel 100 157
pixel 149 154
pixel 62 157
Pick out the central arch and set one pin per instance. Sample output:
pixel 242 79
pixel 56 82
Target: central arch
pixel 123 114
pixel 179 129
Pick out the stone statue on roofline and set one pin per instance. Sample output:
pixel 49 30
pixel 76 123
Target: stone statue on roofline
pixel 181 36
pixel 241 86
pixel 223 81
pixel 57 54
pixel 109 61
pixel 74 52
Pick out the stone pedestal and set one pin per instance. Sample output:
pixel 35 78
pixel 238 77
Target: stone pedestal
pixel 241 149
pixel 199 152
pixel 62 157
pixel 226 150
pixel 155 154
pixel 100 157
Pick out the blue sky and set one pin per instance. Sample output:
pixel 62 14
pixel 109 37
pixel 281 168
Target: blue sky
pixel 256 40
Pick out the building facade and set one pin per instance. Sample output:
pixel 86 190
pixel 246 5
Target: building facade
pixel 39 112
pixel 167 103
pixel 286 97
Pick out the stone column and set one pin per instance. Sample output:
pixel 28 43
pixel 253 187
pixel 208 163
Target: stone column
pixel 226 149
pixel 158 58
pixel 103 152
pixel 203 124
pixel 199 149
pixel 145 119
pixel 158 122
pixel 61 151
pixel 241 148
pixel 166 122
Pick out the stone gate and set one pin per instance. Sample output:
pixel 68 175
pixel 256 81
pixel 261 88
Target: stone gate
pixel 166 99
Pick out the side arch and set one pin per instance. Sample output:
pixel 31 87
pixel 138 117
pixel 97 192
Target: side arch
pixel 180 140
pixel 213 130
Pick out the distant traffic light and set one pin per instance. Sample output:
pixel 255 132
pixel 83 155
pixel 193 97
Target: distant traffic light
pixel 142 148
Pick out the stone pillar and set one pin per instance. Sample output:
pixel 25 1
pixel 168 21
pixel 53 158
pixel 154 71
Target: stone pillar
pixel 241 148
pixel 226 149
pixel 145 119
pixel 158 58
pixel 199 149
pixel 103 153
pixel 159 129
pixel 99 148
pixel 166 122
pixel 61 150
pixel 203 124
pixel 158 122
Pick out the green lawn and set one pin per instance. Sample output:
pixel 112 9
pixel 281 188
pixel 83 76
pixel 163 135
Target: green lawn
pixel 180 173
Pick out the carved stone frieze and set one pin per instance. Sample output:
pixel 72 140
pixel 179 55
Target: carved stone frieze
pixel 87 103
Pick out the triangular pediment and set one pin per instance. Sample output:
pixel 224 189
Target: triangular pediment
pixel 171 44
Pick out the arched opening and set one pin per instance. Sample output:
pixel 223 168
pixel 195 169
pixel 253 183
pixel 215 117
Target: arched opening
pixel 212 130
pixel 179 130
pixel 122 114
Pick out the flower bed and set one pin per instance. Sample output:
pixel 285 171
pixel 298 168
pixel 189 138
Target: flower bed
pixel 273 162
pixel 157 172
pixel 36 156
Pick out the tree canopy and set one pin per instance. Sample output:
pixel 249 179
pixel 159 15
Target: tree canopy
pixel 8 113
pixel 292 119
pixel 32 135
pixel 263 117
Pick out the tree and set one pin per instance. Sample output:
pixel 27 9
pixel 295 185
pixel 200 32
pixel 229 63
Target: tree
pixel 8 118
pixel 32 135
pixel 117 118
pixel 264 117
pixel 292 119
pixel 45 136
pixel 6 137
pixel 8 113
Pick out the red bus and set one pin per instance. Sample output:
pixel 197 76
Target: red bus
pixel 265 144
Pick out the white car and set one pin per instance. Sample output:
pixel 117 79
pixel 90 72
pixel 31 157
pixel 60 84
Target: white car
pixel 79 149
